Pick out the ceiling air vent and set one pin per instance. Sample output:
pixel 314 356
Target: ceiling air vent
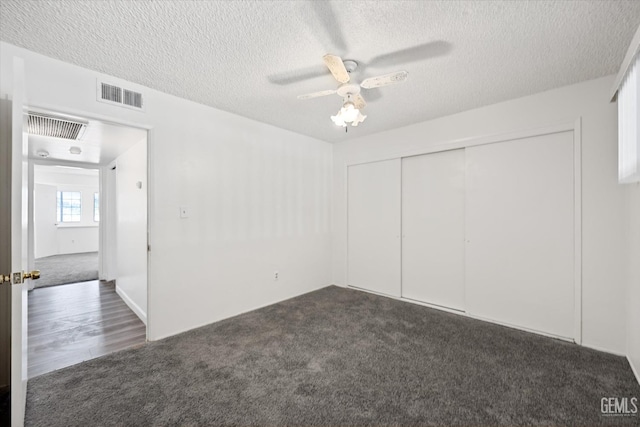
pixel 56 127
pixel 116 95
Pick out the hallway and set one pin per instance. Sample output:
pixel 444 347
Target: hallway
pixel 72 323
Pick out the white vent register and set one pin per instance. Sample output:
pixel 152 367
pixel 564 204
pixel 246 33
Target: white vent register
pixel 116 95
pixel 56 127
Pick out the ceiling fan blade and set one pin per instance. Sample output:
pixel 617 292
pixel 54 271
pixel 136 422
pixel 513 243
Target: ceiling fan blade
pixel 336 66
pixel 359 102
pixel 317 94
pixel 387 79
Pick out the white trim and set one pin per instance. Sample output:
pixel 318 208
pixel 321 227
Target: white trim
pixel 435 306
pixel 191 328
pixel 132 305
pixel 634 47
pixel 462 313
pixel 346 220
pixel 101 230
pixel 31 225
pixel 151 133
pixel 596 348
pixel 577 227
pixel 633 368
pixel 472 141
pixel 56 162
pixel 521 328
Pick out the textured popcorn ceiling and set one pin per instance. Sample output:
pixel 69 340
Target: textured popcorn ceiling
pixel 250 57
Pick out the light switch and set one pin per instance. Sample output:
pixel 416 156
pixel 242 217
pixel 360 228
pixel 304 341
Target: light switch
pixel 184 212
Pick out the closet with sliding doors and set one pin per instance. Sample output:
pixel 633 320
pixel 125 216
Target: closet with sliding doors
pixel 488 230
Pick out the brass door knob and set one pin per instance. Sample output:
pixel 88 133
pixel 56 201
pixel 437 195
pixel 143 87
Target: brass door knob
pixel 5 279
pixel 34 275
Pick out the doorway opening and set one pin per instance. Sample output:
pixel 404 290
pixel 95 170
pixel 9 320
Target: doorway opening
pixel 66 224
pixel 88 237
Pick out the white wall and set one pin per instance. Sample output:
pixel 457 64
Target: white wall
pixel 131 226
pixel 259 198
pixel 45 226
pixel 604 234
pixel 65 238
pixel 633 295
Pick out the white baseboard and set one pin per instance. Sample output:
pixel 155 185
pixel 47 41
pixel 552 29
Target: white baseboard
pixel 635 371
pixel 521 328
pixel 464 313
pixel 132 305
pixel 294 295
pixel 604 350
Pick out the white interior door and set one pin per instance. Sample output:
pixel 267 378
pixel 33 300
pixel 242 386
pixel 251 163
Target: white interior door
pixel 520 233
pixel 373 240
pixel 433 228
pixel 19 246
pixel 108 220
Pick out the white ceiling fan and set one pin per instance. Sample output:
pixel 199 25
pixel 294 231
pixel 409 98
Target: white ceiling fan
pixel 353 102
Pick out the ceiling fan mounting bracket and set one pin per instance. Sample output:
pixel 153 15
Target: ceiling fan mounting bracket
pixel 350 65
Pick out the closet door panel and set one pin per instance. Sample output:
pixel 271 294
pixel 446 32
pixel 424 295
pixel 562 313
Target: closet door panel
pixel 520 233
pixel 433 228
pixel 373 236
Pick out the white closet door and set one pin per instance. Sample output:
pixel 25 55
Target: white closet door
pixel 433 228
pixel 374 226
pixel 520 233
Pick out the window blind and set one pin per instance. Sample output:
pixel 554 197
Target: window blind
pixel 629 125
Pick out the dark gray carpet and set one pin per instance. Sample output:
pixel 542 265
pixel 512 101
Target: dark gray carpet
pixel 65 269
pixel 338 357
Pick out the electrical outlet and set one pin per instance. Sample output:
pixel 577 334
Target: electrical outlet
pixel 275 275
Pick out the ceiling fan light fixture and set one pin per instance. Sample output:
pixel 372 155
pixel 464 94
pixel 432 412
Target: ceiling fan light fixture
pixel 348 114
pixel 359 119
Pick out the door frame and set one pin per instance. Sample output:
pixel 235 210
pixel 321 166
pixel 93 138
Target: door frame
pixel 60 109
pixel 31 229
pixel 575 127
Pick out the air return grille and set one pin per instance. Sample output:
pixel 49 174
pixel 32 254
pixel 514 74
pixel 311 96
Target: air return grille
pixel 43 125
pixel 112 94
pixel 132 98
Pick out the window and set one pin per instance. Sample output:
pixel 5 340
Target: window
pixel 69 206
pixel 96 207
pixel 629 125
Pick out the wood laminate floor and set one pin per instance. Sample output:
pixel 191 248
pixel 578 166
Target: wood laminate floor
pixel 72 323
